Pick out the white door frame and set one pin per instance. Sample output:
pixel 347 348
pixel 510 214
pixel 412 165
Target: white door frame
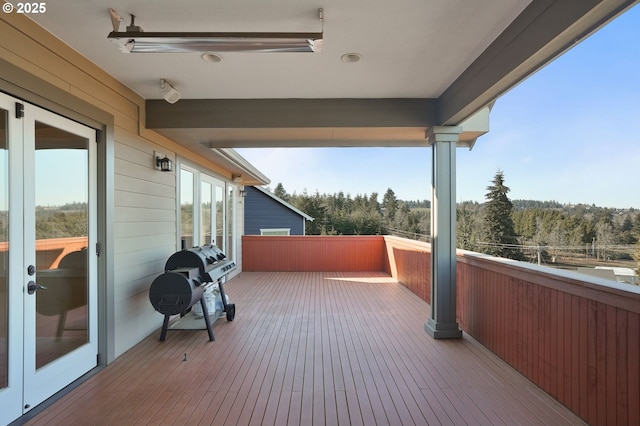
pixel 28 387
pixel 11 396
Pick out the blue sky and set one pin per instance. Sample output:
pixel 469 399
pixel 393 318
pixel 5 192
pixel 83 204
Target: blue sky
pixel 570 133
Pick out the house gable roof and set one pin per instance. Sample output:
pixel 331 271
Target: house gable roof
pixel 284 203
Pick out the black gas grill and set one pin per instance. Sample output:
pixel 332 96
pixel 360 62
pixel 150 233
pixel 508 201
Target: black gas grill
pixel 187 274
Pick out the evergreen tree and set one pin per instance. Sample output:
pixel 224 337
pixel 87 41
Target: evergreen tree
pixel 390 205
pixel 314 206
pixel 626 231
pixel 636 225
pixel 636 256
pixel 372 204
pixel 281 193
pixel 465 226
pixel 499 232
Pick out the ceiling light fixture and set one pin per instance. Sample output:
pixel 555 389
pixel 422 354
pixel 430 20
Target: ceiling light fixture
pixel 351 57
pixel 134 40
pixel 169 93
pixel 211 57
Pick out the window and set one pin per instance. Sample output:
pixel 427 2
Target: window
pixel 212 218
pixel 206 220
pixel 186 207
pixel 219 219
pixel 231 249
pixel 275 231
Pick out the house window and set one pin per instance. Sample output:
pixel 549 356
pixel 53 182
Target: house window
pixel 231 214
pixel 206 220
pixel 275 231
pixel 219 218
pixel 187 212
pixel 211 220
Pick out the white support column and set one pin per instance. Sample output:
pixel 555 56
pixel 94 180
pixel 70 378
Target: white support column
pixel 442 323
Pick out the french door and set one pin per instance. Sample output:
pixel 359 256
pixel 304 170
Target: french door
pixel 48 277
pixel 212 211
pixel 202 209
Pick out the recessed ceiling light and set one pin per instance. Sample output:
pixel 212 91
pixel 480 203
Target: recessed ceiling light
pixel 351 57
pixel 211 57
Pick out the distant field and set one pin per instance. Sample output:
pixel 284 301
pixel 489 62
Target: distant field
pixel 576 261
pixel 420 209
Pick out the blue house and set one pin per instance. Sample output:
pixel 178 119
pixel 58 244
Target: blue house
pixel 267 214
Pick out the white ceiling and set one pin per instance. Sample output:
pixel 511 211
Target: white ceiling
pixel 409 48
pixel 424 63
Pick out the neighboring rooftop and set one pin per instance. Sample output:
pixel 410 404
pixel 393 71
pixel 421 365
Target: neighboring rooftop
pixel 283 202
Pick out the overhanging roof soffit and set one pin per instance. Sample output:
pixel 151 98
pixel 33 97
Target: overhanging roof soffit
pixel 543 31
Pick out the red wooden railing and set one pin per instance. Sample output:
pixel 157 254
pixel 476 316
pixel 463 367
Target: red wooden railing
pixel 409 262
pixel 577 337
pixel 312 253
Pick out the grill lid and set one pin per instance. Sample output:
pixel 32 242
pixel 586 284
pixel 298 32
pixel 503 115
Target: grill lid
pixel 206 258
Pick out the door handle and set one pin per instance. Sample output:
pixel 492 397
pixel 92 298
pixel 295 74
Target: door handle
pixel 32 287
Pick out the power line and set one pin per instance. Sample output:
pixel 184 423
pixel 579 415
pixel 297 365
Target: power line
pixel 547 246
pixel 409 234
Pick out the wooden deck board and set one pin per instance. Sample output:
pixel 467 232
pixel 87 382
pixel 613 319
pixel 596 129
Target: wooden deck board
pixel 310 348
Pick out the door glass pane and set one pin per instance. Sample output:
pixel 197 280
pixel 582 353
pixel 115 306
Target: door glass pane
pixel 4 249
pixel 61 204
pixel 205 212
pixel 219 217
pixel 186 207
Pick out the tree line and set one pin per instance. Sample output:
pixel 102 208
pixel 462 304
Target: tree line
pixel 546 227
pixel 499 226
pixel 362 214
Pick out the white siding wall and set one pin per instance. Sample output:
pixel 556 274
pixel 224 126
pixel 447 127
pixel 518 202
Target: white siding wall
pixel 145 236
pixel 144 227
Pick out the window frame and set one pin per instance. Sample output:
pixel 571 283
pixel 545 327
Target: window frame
pixel 275 231
pixel 228 224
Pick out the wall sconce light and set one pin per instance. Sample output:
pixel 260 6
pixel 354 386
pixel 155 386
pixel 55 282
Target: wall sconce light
pixel 243 192
pixel 164 163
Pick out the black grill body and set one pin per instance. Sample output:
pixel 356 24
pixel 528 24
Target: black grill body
pixel 182 285
pixel 174 292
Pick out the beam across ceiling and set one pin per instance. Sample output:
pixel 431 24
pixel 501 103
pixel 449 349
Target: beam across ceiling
pixel 234 123
pixel 252 123
pixel 290 113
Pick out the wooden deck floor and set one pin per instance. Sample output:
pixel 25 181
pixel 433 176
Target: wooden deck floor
pixel 310 348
